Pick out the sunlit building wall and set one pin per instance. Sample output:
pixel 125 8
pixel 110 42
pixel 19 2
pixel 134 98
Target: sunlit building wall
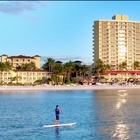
pixel 21 59
pixel 117 41
pixel 22 77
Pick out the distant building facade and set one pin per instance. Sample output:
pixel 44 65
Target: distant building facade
pixel 127 75
pixel 22 77
pixel 21 59
pixel 117 41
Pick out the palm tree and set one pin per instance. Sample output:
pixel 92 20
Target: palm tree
pixel 136 65
pixel 16 78
pixel 84 70
pixel 50 63
pixel 123 66
pixel 7 66
pixel 56 79
pixel 27 66
pixel 2 67
pixel 78 70
pixel 31 66
pixel 58 69
pixel 100 68
pixel 69 67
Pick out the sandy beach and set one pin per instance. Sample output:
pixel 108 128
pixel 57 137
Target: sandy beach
pixel 65 87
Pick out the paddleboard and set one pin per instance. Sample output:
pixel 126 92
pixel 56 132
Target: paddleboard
pixel 57 125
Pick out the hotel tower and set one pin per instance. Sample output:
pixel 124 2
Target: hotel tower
pixel 117 41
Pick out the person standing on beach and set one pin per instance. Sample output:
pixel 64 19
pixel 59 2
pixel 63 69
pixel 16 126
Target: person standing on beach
pixel 57 112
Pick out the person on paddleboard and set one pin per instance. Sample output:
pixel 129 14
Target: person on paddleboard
pixel 57 112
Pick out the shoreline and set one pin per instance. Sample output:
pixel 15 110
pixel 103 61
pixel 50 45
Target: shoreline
pixel 68 88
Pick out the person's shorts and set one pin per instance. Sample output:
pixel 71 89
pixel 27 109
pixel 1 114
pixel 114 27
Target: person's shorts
pixel 57 117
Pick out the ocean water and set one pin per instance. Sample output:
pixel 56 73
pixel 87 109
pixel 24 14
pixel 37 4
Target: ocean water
pixel 100 115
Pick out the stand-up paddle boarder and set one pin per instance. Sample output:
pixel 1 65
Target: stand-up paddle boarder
pixel 57 112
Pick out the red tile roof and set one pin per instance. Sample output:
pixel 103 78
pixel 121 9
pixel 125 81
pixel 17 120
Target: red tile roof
pixel 21 56
pixel 123 72
pixel 37 56
pixel 4 55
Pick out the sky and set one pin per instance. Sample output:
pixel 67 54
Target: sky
pixel 61 30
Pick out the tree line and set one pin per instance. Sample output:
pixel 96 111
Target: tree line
pixel 68 72
pixel 6 66
pixel 59 73
pixel 99 67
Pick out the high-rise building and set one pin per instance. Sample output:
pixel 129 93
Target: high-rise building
pixel 117 41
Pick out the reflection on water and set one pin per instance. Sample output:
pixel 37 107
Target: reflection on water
pixel 100 115
pixel 121 90
pixel 118 113
pixel 121 132
pixel 57 132
pixel 121 99
pixel 120 103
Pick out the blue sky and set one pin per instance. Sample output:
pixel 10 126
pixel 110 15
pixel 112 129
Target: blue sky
pixel 58 29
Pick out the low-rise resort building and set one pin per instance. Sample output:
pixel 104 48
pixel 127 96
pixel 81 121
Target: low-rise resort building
pixel 22 76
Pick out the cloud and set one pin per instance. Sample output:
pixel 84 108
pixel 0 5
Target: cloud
pixel 61 58
pixel 67 58
pixel 19 7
